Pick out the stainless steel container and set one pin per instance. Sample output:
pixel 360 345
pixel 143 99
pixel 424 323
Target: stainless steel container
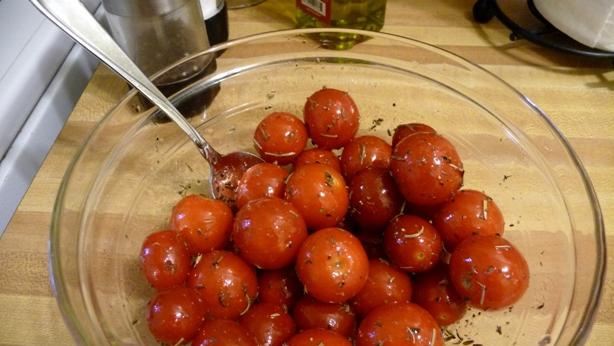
pixel 157 33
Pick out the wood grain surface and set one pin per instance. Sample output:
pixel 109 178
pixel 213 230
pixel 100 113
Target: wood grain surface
pixel 577 93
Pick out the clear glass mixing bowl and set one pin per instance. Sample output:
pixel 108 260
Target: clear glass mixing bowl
pixel 133 168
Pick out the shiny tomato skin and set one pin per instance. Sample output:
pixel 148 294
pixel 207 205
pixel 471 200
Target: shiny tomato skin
pixel 427 169
pixel 270 324
pixel 319 193
pixel 175 314
pixel 331 118
pixel 386 285
pixel 412 243
pixel 279 287
pixel 165 259
pixel 261 180
pixel 222 333
pixel 434 292
pixel 365 152
pixel 374 199
pixel 399 325
pixel 267 232
pixel 469 213
pixel 310 313
pixel 280 137
pixel 204 223
pixel 228 285
pixel 318 337
pixel 317 155
pixel 405 130
pixel 332 265
pixel 489 271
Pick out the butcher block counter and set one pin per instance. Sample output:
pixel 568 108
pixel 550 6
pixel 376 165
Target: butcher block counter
pixel 577 93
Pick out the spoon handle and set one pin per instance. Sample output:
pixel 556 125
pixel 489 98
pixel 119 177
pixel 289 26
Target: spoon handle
pixel 73 18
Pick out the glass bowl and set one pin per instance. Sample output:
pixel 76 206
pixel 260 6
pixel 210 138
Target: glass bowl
pixel 135 166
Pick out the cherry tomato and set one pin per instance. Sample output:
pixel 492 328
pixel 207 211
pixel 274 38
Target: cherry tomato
pixel 267 233
pixel 412 243
pixel 319 194
pixel 399 325
pixel 222 333
pixel 427 169
pixel 469 213
pixel 280 137
pixel 434 292
pixel 227 284
pixel 310 313
pixel 165 259
pixel 331 117
pixel 318 337
pixel 489 271
pixel 365 152
pixel 204 223
pixel 405 130
pixel 270 324
pixel 261 180
pixel 175 315
pixel 317 155
pixel 374 199
pixel 332 265
pixel 279 287
pixel 386 285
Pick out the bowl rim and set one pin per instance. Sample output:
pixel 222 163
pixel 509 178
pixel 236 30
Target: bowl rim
pixel 589 314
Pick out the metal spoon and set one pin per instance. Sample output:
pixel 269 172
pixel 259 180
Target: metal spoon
pixel 72 17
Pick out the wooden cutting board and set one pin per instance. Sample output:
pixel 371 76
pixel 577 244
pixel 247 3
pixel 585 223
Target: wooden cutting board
pixel 577 93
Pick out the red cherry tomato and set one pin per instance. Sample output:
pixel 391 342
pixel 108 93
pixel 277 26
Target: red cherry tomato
pixel 270 324
pixel 319 194
pixel 412 243
pixel 175 315
pixel 399 325
pixel 489 271
pixel 386 285
pixel 204 223
pixel 469 213
pixel 434 292
pixel 316 155
pixel 267 232
pixel 261 180
pixel 331 117
pixel 374 199
pixel 310 313
pixel 318 337
pixel 279 287
pixel 280 137
pixel 227 284
pixel 427 169
pixel 222 333
pixel 165 259
pixel 405 130
pixel 332 265
pixel 365 152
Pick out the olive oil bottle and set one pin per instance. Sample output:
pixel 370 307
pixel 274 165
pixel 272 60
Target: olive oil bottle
pixel 352 14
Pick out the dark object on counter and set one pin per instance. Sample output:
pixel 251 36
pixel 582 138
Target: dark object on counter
pixel 191 105
pixel 217 26
pixel 547 35
pixel 157 33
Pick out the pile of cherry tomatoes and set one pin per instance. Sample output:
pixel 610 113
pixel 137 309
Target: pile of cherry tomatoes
pixel 378 246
